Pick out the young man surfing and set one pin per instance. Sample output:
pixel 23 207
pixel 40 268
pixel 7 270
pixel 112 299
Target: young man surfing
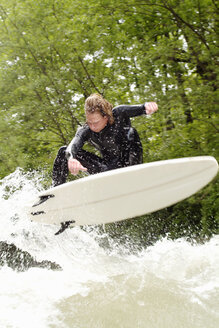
pixel 109 130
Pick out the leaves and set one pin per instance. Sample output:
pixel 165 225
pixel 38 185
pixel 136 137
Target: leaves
pixel 56 53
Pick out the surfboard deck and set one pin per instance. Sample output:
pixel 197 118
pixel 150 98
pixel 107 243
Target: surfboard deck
pixel 124 193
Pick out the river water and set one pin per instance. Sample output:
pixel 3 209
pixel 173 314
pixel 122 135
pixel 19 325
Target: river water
pixel 170 284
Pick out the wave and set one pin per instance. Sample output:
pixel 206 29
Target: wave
pixel 169 284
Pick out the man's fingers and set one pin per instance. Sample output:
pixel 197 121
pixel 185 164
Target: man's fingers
pixel 75 166
pixel 151 107
pixel 83 168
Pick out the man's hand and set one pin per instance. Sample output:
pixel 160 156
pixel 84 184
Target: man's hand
pixel 75 166
pixel 150 107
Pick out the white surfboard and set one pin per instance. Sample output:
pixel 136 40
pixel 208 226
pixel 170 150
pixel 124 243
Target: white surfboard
pixel 124 193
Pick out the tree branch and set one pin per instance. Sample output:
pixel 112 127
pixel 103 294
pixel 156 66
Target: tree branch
pixel 87 73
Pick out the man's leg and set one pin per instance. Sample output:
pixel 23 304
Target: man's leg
pixel 92 162
pixel 135 149
pixel 60 168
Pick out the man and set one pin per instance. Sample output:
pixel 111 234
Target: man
pixel 109 130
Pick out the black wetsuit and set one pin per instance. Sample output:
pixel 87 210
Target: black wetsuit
pixel 119 145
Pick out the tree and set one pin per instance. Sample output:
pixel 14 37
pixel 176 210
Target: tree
pixel 56 53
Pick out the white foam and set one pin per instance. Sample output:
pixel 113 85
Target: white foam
pixel 181 277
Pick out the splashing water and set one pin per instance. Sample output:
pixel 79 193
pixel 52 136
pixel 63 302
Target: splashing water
pixel 169 284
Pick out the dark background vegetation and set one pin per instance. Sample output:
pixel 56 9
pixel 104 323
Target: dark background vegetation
pixel 55 53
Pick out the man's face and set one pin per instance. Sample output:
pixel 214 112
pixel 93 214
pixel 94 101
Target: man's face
pixel 96 121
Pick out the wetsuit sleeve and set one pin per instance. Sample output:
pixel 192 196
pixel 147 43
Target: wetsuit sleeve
pixel 77 142
pixel 130 110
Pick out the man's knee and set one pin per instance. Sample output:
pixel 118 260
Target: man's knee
pixel 62 152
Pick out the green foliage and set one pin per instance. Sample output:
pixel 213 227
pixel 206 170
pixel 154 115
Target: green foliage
pixel 54 53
